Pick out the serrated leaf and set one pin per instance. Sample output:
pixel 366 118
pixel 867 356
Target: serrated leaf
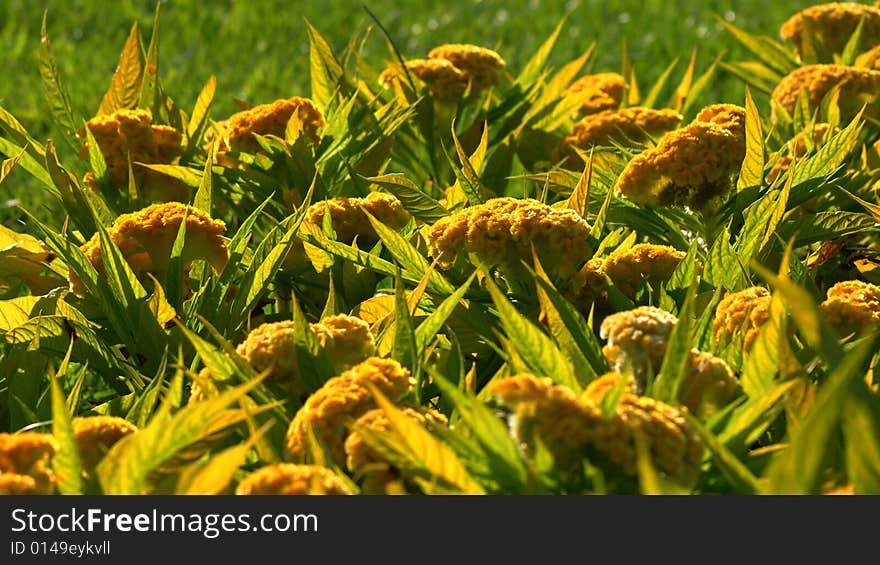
pixel 125 87
pixel 798 468
pixel 327 75
pixel 422 206
pixel 761 363
pixel 733 469
pixel 535 347
pixel 56 93
pixel 447 473
pixel 434 322
pixel 199 119
pixel 831 155
pixel 214 475
pixel 678 350
pixel 66 461
pixel 536 65
pixel 579 198
pixel 752 170
pixel 125 468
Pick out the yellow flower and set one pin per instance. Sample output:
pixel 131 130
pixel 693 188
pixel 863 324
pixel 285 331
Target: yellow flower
pixel 853 306
pixel 502 231
pixel 341 400
pixel 270 119
pixel 379 476
pixel 95 435
pixel 692 166
pixel 29 453
pixel 709 384
pixel 574 428
pixel 349 220
pixel 637 340
pixel 481 66
pixel 449 69
pixel 606 92
pixel 633 124
pixel 292 479
pixel 630 267
pixel 857 87
pixel 441 77
pixel 13 484
pixel 742 312
pixel 553 412
pixel 147 236
pixel 346 340
pixel 828 27
pixel 129 134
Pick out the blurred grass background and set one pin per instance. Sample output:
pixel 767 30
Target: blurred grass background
pixel 258 49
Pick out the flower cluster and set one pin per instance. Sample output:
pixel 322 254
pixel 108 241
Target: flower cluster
pixel 858 86
pixel 692 166
pixel 95 435
pixel 377 474
pixel 604 92
pixel 826 28
pixel 741 313
pixel 637 339
pixel 633 124
pixel 146 238
pixel 346 340
pixel 574 428
pixel 25 462
pixel 129 136
pixel 330 410
pixel 852 306
pixel 349 221
pixel 627 268
pixel 450 69
pixel 292 479
pixel 502 231
pixel 637 342
pixel 270 119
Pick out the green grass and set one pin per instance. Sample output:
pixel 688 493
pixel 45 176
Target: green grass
pixel 259 50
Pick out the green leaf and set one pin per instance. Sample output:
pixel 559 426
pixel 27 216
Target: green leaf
pixel 56 94
pixel 739 476
pixel 657 88
pixel 125 87
pixel 723 268
pixel 861 430
pixel 149 95
pixel 9 164
pixel 446 472
pixel 214 475
pixel 429 327
pixel 327 76
pixel 851 49
pixel 798 469
pixel 764 48
pixel 537 350
pixel 537 64
pixel 686 271
pixel 752 171
pixel 502 454
pixel 198 121
pixel 405 349
pixel 762 362
pixel 66 462
pixel 407 255
pixel 579 198
pixel 125 468
pixel 204 197
pixel 760 222
pixel 422 206
pixel 678 351
pixel 831 155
